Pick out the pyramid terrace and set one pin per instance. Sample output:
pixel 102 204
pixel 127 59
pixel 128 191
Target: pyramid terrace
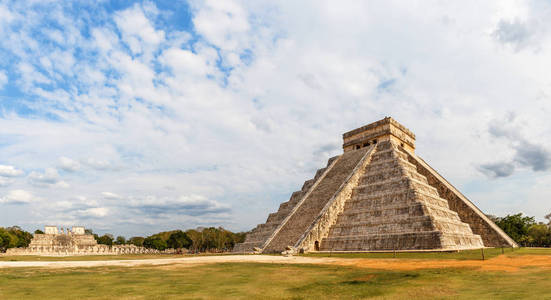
pixel 376 196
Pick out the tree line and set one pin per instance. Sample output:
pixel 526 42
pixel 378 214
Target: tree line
pixel 523 229
pixel 14 237
pixel 211 239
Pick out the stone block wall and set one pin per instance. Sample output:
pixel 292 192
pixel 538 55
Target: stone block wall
pixel 394 208
pixel 74 244
pixel 80 250
pixel 491 234
pixel 320 227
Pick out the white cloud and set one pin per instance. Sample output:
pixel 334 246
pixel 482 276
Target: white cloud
pixel 223 23
pixel 192 205
pixel 9 171
pixel 50 178
pixel 6 181
pixel 244 104
pixel 111 196
pixel 3 79
pixel 185 63
pixel 99 164
pixel 137 30
pixel 95 212
pixel 68 164
pixel 18 197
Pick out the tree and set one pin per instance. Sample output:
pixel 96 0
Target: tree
pixel 4 240
pixel 20 237
pixel 155 242
pixel 214 239
pixel 548 217
pixel 539 235
pixel 106 239
pixel 179 239
pixel 136 241
pixel 516 226
pixel 9 239
pixel 38 231
pixel 121 240
pixel 196 239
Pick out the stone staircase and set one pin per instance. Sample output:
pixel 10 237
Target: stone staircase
pixel 260 234
pixel 302 216
pixel 394 207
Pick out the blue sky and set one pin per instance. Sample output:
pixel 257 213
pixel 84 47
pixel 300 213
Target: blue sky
pixel 135 117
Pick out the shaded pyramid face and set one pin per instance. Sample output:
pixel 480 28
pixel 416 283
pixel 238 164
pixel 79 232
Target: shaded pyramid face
pixel 376 196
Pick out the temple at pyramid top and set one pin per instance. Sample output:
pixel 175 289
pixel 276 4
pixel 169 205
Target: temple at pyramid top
pixel 378 195
pixel 382 130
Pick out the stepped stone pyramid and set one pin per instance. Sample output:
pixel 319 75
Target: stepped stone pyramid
pixel 378 195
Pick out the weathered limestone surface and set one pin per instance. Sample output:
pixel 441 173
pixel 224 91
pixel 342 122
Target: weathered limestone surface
pixel 299 221
pixel 259 235
pixel 377 195
pixel 393 207
pixel 491 234
pixel 72 243
pixel 320 227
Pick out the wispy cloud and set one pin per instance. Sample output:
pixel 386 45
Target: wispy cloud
pixel 18 197
pixel 9 171
pixel 68 164
pixel 50 178
pixel 526 153
pixel 3 79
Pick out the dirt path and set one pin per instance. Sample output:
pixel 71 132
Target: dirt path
pixel 170 261
pixel 500 263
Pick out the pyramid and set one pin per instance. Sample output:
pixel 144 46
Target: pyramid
pixel 376 196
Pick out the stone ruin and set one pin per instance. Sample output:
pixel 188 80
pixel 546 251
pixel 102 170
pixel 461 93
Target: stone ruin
pixel 75 241
pixel 376 196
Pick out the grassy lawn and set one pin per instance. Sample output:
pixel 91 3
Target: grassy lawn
pixel 271 281
pixel 99 257
pixel 461 255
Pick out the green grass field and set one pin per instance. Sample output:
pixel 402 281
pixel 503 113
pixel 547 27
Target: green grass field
pixel 285 281
pixel 271 281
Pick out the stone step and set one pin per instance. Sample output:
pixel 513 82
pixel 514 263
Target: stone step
pixel 398 183
pixel 461 241
pixel 388 154
pixel 377 176
pixel 412 208
pixel 390 163
pixel 450 225
pixel 360 200
pixel 398 223
pixel 402 241
pixel 397 220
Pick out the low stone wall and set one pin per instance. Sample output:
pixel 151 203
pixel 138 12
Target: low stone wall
pixel 81 250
